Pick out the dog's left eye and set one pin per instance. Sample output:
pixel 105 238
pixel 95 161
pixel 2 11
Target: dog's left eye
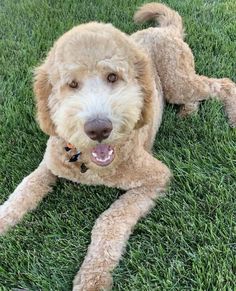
pixel 112 78
pixel 73 84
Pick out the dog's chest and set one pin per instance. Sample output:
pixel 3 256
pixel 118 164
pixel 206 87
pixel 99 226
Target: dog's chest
pixel 77 168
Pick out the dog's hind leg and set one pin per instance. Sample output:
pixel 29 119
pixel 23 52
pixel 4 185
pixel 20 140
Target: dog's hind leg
pixel 221 89
pixel 174 63
pixel 192 89
pixel 26 196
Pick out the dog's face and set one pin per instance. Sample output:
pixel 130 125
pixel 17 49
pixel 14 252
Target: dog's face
pixel 94 88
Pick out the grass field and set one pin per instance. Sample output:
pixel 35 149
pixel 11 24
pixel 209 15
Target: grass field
pixel 188 242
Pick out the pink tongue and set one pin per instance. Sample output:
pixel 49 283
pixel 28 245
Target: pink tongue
pixel 101 150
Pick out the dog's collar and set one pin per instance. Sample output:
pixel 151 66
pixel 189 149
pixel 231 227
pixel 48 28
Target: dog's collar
pixel 75 157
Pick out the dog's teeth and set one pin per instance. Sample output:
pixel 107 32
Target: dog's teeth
pixel 110 152
pixel 103 160
pixel 94 155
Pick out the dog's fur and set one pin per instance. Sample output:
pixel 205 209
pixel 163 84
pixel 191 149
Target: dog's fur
pixel 174 63
pixel 146 63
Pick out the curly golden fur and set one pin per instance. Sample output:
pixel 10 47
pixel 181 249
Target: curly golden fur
pixel 174 63
pixel 72 87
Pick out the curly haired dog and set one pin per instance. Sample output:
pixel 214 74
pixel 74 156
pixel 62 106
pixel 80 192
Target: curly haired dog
pixel 99 96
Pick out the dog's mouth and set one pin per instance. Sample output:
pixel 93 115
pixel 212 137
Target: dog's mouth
pixel 102 154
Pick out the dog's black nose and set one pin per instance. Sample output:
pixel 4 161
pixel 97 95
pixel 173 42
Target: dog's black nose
pixel 98 129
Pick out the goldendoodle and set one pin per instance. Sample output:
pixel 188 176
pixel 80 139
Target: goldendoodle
pixel 99 96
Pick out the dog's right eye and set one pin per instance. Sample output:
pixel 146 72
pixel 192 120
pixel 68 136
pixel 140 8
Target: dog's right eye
pixel 112 78
pixel 73 84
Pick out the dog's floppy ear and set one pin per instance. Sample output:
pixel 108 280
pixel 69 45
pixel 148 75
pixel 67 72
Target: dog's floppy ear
pixel 42 90
pixel 145 79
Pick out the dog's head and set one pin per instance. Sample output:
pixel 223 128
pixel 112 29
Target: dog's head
pixel 94 89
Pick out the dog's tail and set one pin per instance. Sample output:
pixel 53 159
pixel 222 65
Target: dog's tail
pixel 162 14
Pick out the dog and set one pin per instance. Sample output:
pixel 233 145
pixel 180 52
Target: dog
pixel 100 96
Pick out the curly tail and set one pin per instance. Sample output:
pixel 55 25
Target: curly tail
pixel 161 14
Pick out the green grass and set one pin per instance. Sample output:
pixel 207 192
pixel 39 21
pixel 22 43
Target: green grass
pixel 188 241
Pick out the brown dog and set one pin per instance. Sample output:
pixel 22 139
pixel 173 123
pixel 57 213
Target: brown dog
pixel 101 91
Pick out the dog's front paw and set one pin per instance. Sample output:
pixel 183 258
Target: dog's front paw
pixel 95 281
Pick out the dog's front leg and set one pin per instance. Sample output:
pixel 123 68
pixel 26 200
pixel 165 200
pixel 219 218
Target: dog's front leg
pixel 113 228
pixel 26 196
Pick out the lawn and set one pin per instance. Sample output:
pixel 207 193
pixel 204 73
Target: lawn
pixel 188 242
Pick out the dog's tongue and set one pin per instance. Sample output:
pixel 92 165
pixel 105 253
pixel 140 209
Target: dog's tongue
pixel 102 154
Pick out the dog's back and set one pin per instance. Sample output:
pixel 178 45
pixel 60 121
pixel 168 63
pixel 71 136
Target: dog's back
pixel 164 44
pixel 173 62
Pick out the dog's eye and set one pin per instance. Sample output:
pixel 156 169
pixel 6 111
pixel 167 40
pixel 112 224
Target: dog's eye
pixel 112 78
pixel 73 84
